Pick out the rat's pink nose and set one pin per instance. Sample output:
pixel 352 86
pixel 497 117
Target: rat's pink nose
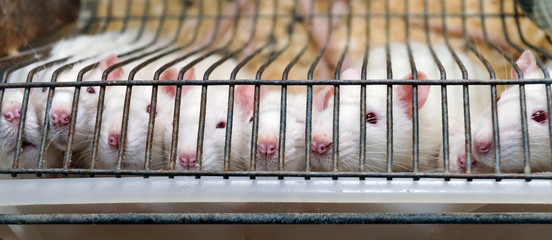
pixel 482 147
pixel 60 118
pixel 267 146
pixel 187 160
pixel 12 114
pixel 320 146
pixel 113 140
pixel 462 163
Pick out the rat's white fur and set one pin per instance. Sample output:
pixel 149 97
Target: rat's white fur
pixel 269 127
pixel 509 122
pixel 430 116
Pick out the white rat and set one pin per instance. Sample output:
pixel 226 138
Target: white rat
pixel 509 121
pixel 269 132
pixel 137 128
pixel 9 125
pixel 139 115
pixel 215 128
pixel 61 108
pixel 429 111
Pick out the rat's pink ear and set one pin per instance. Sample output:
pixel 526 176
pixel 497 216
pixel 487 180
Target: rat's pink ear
pixel 169 74
pixel 404 92
pixel 188 75
pixel 351 74
pixel 526 63
pixel 321 99
pixel 108 62
pixel 243 98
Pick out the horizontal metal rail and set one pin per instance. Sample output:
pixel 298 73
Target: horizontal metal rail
pixel 281 218
pixel 253 174
pixel 274 82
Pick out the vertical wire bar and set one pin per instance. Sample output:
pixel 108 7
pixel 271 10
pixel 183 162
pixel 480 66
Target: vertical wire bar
pixel 178 94
pixel 521 89
pixel 335 146
pixel 46 117
pixel 443 76
pixel 465 99
pixel 21 126
pixel 492 76
pixel 308 108
pixel 543 68
pixel 465 92
pixel 128 95
pixel 201 129
pixel 281 150
pixel 389 110
pixel 362 146
pixel 527 167
pixel 255 127
pixel 178 98
pixel 415 130
pixel 154 91
pixel 283 96
pixel 5 75
pixel 293 62
pixel 230 107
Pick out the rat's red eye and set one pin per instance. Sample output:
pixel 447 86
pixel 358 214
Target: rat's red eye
pixel 539 116
pixel 251 119
pixel 90 90
pixel 148 109
pixel 371 118
pixel 44 89
pixel 221 125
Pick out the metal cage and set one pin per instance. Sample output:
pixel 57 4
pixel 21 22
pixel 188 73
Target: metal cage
pixel 269 37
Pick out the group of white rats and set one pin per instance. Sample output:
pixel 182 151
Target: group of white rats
pixel 53 108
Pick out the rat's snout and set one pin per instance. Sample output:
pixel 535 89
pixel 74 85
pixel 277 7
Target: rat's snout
pixel 320 145
pixel 462 163
pixel 12 113
pixel 267 146
pixel 482 146
pixel 114 140
pixel 60 118
pixel 187 160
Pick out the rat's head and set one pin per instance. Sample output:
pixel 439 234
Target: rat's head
pixel 9 125
pixel 510 129
pixel 61 108
pixel 376 125
pixel 215 128
pixel 137 128
pixel 457 157
pixel 268 138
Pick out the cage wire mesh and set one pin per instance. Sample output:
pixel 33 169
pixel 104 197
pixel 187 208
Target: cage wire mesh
pixel 293 54
pixel 411 81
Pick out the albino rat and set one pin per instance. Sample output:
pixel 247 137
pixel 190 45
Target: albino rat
pixel 139 115
pixel 429 105
pixel 509 121
pixel 215 128
pixel 137 129
pixel 60 112
pixel 269 132
pixel 9 125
